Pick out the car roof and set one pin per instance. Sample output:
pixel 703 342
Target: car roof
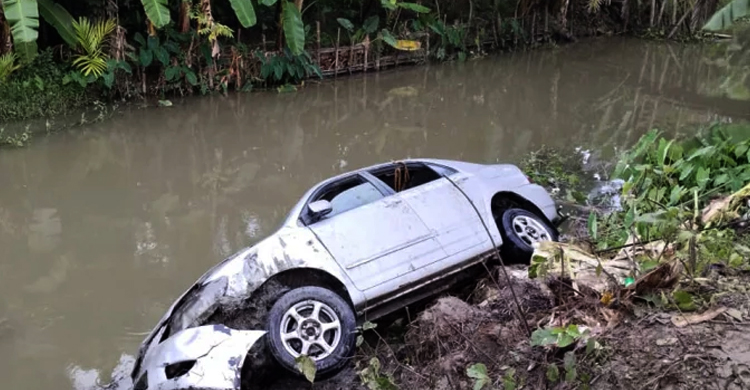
pixel 291 219
pixel 447 163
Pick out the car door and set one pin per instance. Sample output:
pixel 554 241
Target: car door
pixel 446 210
pixel 373 234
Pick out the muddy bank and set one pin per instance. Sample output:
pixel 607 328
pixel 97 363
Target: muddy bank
pixel 638 347
pixel 633 348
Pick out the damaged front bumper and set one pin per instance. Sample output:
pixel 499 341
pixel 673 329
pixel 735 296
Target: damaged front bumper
pixel 184 351
pixel 204 357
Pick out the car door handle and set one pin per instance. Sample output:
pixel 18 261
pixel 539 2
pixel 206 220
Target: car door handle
pixel 393 203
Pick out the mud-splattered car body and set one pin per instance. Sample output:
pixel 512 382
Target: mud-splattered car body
pixel 380 251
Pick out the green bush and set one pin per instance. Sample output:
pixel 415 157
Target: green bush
pixel 667 183
pixel 37 90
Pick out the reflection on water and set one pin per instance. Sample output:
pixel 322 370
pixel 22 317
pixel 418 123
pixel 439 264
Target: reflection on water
pixel 102 228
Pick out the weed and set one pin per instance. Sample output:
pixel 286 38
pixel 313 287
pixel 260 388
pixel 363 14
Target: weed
pixel 287 68
pixel 37 90
pixel 8 65
pixel 560 337
pixel 478 372
pixel 373 379
pixel 666 186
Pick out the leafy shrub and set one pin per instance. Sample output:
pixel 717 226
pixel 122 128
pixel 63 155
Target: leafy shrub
pixel 37 90
pixel 287 68
pixel 667 172
pixel 668 183
pixel 8 65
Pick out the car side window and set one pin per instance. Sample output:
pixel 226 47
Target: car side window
pixel 348 195
pixel 404 176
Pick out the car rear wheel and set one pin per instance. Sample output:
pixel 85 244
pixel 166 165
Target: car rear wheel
pixel 315 322
pixel 520 230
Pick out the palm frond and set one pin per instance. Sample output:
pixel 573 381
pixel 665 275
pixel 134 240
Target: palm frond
pixel 594 5
pixel 8 65
pixel 91 38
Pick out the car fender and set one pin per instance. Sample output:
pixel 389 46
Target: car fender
pixel 483 184
pixel 299 248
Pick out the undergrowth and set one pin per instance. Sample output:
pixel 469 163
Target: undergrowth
pixel 668 183
pixel 37 90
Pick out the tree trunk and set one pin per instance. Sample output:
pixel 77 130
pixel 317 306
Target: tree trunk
pixel 653 14
pixel 563 18
pixel 209 19
pixel 280 39
pixel 185 16
pixel 6 42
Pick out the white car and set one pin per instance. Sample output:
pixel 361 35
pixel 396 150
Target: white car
pixel 356 247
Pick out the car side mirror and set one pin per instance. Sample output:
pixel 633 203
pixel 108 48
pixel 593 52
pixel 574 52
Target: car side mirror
pixel 320 208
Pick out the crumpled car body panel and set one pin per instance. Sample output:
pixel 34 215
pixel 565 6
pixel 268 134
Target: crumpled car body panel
pixel 183 333
pixel 244 273
pixel 217 351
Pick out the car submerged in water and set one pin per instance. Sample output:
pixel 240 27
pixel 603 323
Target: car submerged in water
pixel 355 247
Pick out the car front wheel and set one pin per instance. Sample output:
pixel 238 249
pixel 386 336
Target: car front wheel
pixel 315 322
pixel 520 230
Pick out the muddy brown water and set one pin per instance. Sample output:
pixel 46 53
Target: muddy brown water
pixel 101 228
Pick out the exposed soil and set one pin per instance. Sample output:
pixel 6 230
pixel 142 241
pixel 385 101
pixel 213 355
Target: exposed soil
pixel 639 347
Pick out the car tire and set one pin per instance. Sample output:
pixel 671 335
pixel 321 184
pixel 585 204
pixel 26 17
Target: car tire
pixel 305 328
pixel 517 240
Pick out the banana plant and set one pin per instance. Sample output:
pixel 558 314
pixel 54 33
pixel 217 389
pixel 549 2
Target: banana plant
pixel 294 29
pixel 59 18
pixel 244 11
pixel 157 12
pixel 23 17
pixel 727 15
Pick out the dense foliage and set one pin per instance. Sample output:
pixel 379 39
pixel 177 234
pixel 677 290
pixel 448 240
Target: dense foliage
pixel 158 47
pixel 669 185
pixel 38 90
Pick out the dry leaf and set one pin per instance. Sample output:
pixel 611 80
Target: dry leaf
pixel 725 208
pixel 682 321
pixel 734 313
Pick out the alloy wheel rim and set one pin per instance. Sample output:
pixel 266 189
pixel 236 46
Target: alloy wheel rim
pixel 530 230
pixel 310 328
